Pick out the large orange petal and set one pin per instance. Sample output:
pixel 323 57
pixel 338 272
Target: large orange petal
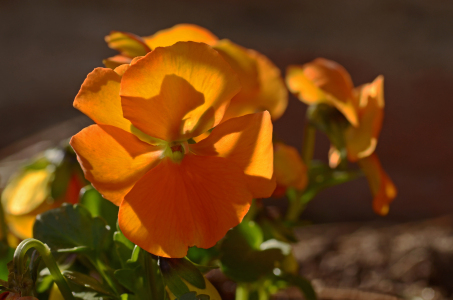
pixel 323 81
pixel 178 92
pixel 175 206
pixel 99 98
pixel 180 33
pixel 361 141
pixel 113 159
pixel 246 68
pixel 128 44
pixel 289 169
pixel 247 142
pixel 273 95
pixel 382 187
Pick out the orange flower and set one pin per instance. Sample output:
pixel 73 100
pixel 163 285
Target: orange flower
pixel 262 85
pixel 325 81
pixel 172 193
pixel 289 169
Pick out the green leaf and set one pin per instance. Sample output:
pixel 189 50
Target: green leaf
pixel 69 227
pixel 44 283
pixel 171 279
pixel 5 258
pixel 188 296
pixel 185 269
pixel 98 206
pixel 87 295
pixel 202 256
pixel 123 247
pixel 303 284
pixel 321 176
pixel 88 282
pixel 241 256
pixel 131 279
pixel 61 178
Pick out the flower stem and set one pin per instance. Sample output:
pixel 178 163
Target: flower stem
pixel 19 260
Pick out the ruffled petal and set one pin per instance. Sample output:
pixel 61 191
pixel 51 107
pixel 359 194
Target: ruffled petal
pixel 382 187
pixel 323 81
pixel 175 206
pixel 289 169
pixel 273 95
pixel 245 66
pixel 178 92
pixel 128 44
pixel 180 33
pixel 247 142
pixel 112 159
pixel 115 61
pixel 361 141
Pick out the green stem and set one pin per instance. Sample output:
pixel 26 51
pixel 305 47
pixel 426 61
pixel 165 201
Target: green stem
pixel 242 292
pixel 102 269
pixel 20 259
pixel 308 144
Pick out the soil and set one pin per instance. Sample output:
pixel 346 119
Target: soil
pixel 355 261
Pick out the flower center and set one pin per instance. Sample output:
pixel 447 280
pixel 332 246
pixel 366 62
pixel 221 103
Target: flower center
pixel 176 151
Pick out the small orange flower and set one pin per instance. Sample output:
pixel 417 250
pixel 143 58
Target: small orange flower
pixel 325 81
pixel 262 85
pixel 172 193
pixel 289 169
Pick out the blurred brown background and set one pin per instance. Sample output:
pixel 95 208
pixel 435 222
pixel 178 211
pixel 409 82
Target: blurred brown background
pixel 48 47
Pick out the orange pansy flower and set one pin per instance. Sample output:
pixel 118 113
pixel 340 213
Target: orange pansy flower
pixel 172 193
pixel 325 81
pixel 289 169
pixel 262 85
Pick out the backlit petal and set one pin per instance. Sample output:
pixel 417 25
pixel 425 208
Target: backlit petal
pixel 128 44
pixel 245 66
pixel 113 159
pixel 180 33
pixel 289 169
pixel 247 142
pixel 178 92
pixel 361 141
pixel 382 187
pixel 115 61
pixel 99 99
pixel 323 81
pixel 175 206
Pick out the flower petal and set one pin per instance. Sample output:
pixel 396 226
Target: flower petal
pixel 115 61
pixel 247 142
pixel 99 99
pixel 382 187
pixel 112 159
pixel 178 92
pixel 323 81
pixel 289 169
pixel 180 33
pixel 273 95
pixel 175 206
pixel 246 68
pixel 128 44
pixel 361 141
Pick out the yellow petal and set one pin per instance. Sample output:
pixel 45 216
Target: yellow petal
pixel 178 92
pixel 180 33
